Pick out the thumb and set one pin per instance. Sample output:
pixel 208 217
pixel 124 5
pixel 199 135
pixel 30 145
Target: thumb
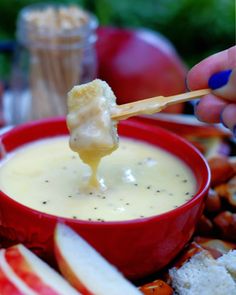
pixel 223 84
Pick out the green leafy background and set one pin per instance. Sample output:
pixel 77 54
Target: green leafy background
pixel 197 28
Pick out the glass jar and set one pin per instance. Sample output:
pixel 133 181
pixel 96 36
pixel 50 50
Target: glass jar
pixel 55 52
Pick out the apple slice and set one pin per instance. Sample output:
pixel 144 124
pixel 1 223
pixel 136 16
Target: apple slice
pixel 35 273
pixel 10 284
pixel 85 268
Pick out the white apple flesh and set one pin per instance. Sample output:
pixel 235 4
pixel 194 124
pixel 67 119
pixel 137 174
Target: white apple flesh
pixel 35 273
pixel 85 268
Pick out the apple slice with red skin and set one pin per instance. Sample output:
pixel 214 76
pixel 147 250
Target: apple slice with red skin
pixel 35 273
pixel 85 268
pixel 6 286
pixel 10 284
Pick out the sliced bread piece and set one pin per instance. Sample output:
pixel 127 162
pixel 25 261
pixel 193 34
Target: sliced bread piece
pixel 202 275
pixel 228 260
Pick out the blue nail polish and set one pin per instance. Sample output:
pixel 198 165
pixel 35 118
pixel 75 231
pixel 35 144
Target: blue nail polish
pixel 219 79
pixel 234 130
pixel 195 108
pixel 197 102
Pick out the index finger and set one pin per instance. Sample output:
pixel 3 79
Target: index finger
pixel 199 75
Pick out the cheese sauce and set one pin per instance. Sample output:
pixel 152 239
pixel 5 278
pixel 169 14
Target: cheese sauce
pixel 137 180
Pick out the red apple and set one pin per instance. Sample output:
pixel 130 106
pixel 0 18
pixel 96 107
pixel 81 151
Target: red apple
pixel 138 64
pixel 7 287
pixel 35 273
pixel 10 284
pixel 85 268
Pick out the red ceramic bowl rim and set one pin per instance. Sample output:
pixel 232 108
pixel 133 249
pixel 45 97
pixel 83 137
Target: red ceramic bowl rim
pixel 201 192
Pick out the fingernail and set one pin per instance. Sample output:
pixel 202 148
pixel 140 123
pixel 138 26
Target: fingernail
pixel 195 108
pixel 197 102
pixel 234 130
pixel 219 79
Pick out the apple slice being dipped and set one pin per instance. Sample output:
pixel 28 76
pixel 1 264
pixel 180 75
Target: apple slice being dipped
pixel 35 273
pixel 10 283
pixel 85 268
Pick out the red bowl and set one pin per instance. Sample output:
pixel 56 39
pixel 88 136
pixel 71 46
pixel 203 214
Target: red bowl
pixel 138 247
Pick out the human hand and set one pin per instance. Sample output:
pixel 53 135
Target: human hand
pixel 217 72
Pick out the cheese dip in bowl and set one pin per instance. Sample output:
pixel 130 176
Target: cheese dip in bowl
pixel 150 197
